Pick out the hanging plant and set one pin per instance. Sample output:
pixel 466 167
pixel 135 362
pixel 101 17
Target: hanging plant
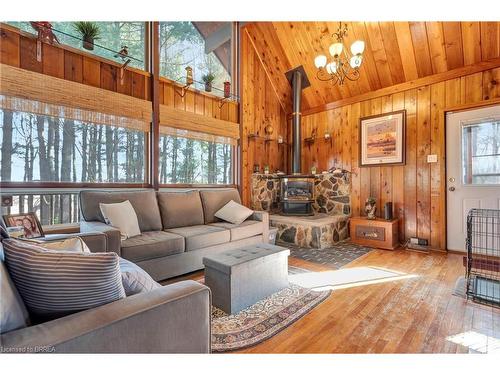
pixel 208 79
pixel 89 31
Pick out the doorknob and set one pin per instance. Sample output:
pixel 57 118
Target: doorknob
pixel 451 188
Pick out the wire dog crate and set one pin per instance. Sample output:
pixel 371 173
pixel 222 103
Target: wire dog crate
pixel 483 256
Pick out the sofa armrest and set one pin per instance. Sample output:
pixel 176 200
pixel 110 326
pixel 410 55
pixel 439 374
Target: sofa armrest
pixel 171 319
pixel 113 236
pixel 264 217
pixel 96 241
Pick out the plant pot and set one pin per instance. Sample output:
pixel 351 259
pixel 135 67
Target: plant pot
pixel 88 43
pixel 208 86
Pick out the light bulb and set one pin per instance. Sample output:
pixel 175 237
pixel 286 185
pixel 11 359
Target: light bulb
pixel 357 47
pixel 355 61
pixel 336 49
pixel 331 68
pixel 320 61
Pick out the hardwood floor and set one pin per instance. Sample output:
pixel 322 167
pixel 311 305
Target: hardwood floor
pixel 413 315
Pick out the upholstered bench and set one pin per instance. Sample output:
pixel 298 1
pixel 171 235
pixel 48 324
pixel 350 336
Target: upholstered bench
pixel 238 278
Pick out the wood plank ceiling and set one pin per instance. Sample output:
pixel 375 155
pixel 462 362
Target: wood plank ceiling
pixel 395 52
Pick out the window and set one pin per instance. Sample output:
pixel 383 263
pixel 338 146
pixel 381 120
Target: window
pixel 113 35
pixel 195 161
pixel 481 153
pixel 53 149
pixel 204 46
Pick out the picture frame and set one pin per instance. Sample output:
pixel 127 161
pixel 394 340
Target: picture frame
pixel 29 221
pixel 382 139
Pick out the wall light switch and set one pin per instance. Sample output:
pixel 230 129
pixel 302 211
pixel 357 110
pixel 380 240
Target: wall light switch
pixel 432 158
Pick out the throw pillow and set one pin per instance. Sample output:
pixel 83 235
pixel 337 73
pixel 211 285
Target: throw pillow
pixel 122 216
pixel 234 213
pixel 57 283
pixel 71 244
pixel 135 279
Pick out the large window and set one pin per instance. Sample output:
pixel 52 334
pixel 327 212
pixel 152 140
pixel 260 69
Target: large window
pixel 192 161
pixel 113 35
pixel 204 46
pixel 48 149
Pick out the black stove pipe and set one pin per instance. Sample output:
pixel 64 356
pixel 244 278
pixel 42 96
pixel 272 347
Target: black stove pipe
pixel 296 117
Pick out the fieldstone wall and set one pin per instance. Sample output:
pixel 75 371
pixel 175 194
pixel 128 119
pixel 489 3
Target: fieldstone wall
pixel 332 193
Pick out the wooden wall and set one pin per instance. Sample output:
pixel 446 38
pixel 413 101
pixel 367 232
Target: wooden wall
pixel 260 107
pixel 417 189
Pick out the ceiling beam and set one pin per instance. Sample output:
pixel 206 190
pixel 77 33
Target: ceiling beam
pixel 424 81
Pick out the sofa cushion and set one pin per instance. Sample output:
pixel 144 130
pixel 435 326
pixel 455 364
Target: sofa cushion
pixel 151 245
pixel 13 313
pixel 234 213
pixel 180 209
pixel 213 200
pixel 199 236
pixel 122 216
pixel 56 283
pixel 247 229
pixel 135 280
pixel 143 201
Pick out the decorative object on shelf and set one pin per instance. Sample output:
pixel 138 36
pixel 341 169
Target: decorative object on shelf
pixel 370 208
pixel 30 223
pixel 344 65
pixel 382 139
pixel 266 169
pixel 280 139
pixel 269 129
pixel 256 168
pixel 122 53
pixel 89 31
pixel 327 136
pixel 313 170
pixel 312 138
pixel 388 211
pixel 227 89
pixel 208 79
pixel 189 82
pixel 45 34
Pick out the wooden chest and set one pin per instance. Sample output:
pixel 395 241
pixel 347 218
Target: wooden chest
pixel 378 233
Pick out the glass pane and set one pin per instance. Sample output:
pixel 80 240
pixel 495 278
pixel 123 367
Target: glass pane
pixel 112 37
pixel 185 44
pixel 43 148
pixel 481 153
pixel 190 161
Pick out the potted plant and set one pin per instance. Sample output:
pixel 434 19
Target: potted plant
pixel 208 79
pixel 89 31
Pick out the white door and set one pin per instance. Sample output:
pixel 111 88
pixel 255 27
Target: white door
pixel 472 168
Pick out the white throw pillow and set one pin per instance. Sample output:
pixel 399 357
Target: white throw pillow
pixel 135 280
pixel 72 244
pixel 234 213
pixel 122 216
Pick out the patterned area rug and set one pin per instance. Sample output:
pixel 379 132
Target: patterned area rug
pixel 336 257
pixel 264 319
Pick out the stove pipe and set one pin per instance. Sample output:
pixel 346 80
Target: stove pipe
pixel 296 114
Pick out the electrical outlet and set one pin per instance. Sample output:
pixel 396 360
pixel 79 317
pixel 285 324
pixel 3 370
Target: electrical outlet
pixel 432 158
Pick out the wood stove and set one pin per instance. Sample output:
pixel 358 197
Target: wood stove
pixel 297 195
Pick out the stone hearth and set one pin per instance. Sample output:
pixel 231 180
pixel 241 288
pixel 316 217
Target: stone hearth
pixel 319 231
pixel 331 191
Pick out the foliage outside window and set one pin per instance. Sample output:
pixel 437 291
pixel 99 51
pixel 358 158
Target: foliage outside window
pixel 112 36
pixel 183 44
pixel 50 149
pixel 192 161
pixel 481 153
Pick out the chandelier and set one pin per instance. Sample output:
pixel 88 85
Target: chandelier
pixel 343 65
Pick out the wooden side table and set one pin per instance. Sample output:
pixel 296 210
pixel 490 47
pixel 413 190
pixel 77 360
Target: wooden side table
pixel 378 232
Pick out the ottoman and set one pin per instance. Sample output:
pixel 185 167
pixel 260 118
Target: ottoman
pixel 238 278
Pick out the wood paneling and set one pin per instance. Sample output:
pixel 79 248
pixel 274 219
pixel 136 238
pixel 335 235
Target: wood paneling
pixel 260 107
pixel 395 52
pixel 416 189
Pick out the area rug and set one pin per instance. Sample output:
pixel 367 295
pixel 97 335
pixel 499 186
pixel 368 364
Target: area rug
pixel 265 318
pixel 335 257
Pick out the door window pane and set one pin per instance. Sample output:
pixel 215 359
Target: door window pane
pixel 481 153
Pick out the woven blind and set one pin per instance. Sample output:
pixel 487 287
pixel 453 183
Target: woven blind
pixel 23 90
pixel 184 133
pixel 194 125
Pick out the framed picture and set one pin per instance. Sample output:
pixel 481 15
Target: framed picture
pixel 382 139
pixel 30 223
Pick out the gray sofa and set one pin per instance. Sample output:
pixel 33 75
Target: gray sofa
pixel 170 319
pixel 177 228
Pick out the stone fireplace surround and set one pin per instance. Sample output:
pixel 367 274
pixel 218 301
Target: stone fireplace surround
pixel 332 208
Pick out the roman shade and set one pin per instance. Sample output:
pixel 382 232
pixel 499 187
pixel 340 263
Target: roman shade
pixel 187 124
pixel 27 91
